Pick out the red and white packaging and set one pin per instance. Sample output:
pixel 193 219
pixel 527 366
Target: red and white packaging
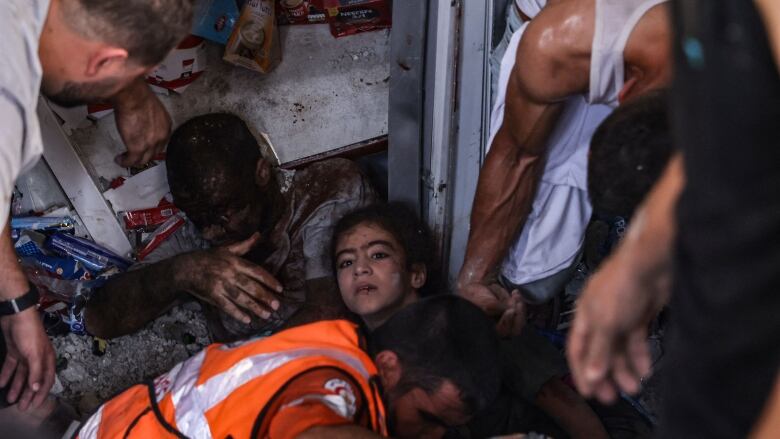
pixel 148 219
pixel 300 12
pixel 182 66
pixel 348 17
pixel 161 234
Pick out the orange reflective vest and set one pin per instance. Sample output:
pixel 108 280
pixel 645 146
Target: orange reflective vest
pixel 224 390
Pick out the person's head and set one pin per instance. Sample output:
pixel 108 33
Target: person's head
pixel 628 153
pixel 647 54
pixel 219 179
pixel 438 363
pixel 384 259
pixel 91 49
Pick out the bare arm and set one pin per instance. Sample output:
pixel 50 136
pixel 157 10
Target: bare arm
pixel 607 348
pixel 570 411
pixel 768 425
pixel 770 13
pixel 338 432
pixel 543 76
pixel 218 276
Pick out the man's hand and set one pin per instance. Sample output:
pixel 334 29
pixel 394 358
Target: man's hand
pixel 221 277
pixel 143 123
pixel 29 360
pixel 607 348
pixel 496 302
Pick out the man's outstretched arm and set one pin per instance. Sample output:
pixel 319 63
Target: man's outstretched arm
pixel 218 276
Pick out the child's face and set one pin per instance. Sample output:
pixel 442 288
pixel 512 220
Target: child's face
pixel 372 274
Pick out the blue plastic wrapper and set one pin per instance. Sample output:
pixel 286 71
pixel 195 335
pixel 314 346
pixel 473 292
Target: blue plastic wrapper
pixel 63 267
pixel 62 223
pixel 29 243
pixel 214 19
pixel 94 257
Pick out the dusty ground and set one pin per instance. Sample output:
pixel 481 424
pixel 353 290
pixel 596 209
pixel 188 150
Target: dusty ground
pixel 87 379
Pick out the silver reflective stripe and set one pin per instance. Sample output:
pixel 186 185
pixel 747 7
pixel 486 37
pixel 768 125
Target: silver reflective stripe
pixel 90 428
pixel 191 402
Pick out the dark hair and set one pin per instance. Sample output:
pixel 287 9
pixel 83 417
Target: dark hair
pixel 443 337
pixel 411 233
pixel 209 154
pixel 628 153
pixel 147 29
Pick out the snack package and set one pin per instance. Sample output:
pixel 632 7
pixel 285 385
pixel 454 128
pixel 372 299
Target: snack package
pixel 254 43
pixel 214 19
pixel 182 66
pixel 348 17
pixel 300 12
pixel 161 234
pixel 62 224
pixel 147 219
pixel 94 257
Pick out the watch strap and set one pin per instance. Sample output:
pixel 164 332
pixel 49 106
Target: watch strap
pixel 19 304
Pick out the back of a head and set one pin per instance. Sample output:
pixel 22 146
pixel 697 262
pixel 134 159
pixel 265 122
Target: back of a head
pixel 211 154
pixel 444 337
pixel 407 228
pixel 628 153
pixel 147 29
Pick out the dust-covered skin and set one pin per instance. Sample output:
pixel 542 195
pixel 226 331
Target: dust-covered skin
pixel 240 277
pixel 372 274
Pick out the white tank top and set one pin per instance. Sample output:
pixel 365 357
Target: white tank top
pixel 615 20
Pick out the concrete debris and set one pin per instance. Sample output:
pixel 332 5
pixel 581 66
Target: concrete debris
pixel 87 379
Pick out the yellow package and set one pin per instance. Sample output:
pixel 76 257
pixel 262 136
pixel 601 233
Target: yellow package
pixel 254 43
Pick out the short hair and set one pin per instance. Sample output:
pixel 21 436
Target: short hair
pixel 628 153
pixel 147 29
pixel 209 154
pixel 405 226
pixel 442 338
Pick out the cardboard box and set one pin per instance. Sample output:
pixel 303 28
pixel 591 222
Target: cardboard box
pixel 348 17
pixel 300 12
pixel 254 43
pixel 182 66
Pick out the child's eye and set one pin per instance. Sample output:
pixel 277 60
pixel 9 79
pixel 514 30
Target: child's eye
pixel 379 255
pixel 344 264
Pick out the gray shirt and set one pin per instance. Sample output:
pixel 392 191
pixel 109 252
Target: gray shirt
pixel 20 80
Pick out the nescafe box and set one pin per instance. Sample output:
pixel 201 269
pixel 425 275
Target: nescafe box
pixel 300 12
pixel 348 17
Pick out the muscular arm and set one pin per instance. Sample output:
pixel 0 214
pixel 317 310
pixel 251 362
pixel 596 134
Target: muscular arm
pixel 545 74
pixel 569 410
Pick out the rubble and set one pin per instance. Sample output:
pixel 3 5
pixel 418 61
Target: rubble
pixel 88 380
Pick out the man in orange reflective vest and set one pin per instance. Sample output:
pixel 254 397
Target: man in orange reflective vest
pixel 432 365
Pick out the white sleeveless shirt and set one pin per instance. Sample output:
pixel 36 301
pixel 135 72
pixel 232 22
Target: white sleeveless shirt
pixel 615 20
pixel 554 231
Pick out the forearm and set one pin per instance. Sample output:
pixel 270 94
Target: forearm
pixel 338 432
pixel 133 95
pixel 129 301
pixel 647 248
pixel 13 283
pixel 570 411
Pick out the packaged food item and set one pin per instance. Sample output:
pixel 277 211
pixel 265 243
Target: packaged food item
pixel 161 234
pixel 300 12
pixel 215 19
pixel 62 224
pixel 93 256
pixel 348 17
pixel 182 66
pixel 254 43
pixel 147 219
pixel 30 243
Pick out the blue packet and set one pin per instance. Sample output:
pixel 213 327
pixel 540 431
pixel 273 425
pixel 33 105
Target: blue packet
pixel 94 257
pixel 214 19
pixel 61 223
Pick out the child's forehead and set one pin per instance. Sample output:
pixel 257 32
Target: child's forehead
pixel 366 232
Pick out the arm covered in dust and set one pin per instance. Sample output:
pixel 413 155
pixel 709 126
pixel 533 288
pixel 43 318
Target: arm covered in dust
pixel 129 301
pixel 323 302
pixel 514 165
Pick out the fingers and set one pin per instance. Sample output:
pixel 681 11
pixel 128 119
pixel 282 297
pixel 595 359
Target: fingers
pixel 506 322
pixel 596 361
pixel 231 309
pixel 18 382
pixel 241 248
pixel 48 374
pixel 258 292
pixel 9 366
pixel 639 354
pixel 246 301
pixel 258 274
pixel 575 349
pixel 34 375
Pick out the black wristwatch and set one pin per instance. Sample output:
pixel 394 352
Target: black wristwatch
pixel 15 306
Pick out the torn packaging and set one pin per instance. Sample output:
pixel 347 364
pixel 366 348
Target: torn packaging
pixel 254 43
